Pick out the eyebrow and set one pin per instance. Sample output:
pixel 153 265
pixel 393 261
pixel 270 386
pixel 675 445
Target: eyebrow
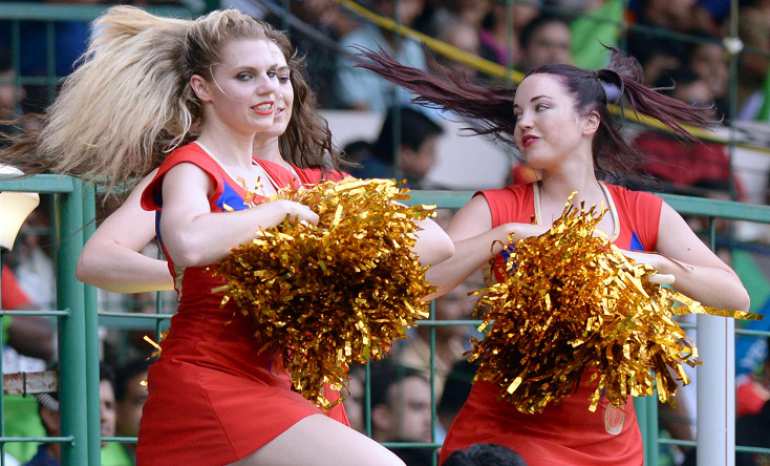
pixel 537 97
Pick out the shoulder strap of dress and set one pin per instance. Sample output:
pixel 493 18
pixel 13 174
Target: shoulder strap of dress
pixel 152 198
pixel 514 203
pixel 642 212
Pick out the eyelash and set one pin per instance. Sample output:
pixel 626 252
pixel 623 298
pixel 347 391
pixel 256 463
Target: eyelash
pixel 538 107
pixel 270 74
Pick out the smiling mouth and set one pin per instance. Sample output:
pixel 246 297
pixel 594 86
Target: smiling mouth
pixel 264 108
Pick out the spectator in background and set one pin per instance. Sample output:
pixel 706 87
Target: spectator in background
pixel 354 398
pixel 49 454
pixel 320 58
pixel 462 35
pixel 69 43
pixel 10 93
pixel 471 12
pixel 677 162
pixel 450 339
pixel 485 454
pixel 360 89
pixel 413 158
pixel 130 395
pixel 753 431
pixel 708 60
pixel 400 404
pixel 656 52
pixel 494 35
pixel 457 386
pixel 753 390
pixel 546 40
pixel 754 31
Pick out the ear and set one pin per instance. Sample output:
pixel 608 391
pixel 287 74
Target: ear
pixel 201 88
pixel 591 123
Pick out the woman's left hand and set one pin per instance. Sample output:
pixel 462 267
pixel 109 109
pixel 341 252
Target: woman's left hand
pixel 656 261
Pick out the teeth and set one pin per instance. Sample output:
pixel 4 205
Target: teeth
pixel 264 107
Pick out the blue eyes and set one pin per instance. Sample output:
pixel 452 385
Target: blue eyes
pixel 244 77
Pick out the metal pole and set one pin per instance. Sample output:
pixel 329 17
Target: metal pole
pixel 72 347
pixel 91 339
pixel 716 388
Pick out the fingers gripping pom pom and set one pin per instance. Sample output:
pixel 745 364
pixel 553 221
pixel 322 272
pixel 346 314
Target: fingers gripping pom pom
pixel 327 295
pixel 572 305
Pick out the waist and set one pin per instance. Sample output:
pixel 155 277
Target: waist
pixel 223 341
pixel 571 414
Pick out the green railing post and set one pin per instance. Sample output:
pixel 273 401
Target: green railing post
pixel 72 346
pixel 92 339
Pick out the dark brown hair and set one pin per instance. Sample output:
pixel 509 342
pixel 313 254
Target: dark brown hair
pixel 491 108
pixel 307 141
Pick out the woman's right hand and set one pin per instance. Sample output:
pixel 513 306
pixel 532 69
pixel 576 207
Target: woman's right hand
pixel 298 211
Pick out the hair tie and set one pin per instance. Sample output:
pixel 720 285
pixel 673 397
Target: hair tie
pixel 611 91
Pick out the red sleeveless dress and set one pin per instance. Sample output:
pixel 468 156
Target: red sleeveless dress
pixel 567 433
pixel 213 398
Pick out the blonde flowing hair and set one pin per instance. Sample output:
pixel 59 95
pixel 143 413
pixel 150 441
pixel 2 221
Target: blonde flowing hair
pixel 129 102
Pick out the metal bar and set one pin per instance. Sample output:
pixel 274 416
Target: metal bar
pixel 752 333
pixel 91 338
pixel 716 387
pixel 674 441
pixel 44 12
pixel 63 439
pixel 368 400
pixel 652 429
pixel 43 313
pixel 411 445
pixel 134 315
pixel 641 419
pixel 763 451
pixel 72 387
pixel 432 368
pixel 447 323
pixel 119 439
pixel 729 210
pixel 2 345
pixel 38 183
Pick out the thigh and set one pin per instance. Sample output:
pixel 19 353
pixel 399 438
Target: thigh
pixel 319 440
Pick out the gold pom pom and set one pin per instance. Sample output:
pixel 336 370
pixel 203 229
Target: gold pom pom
pixel 572 305
pixel 324 296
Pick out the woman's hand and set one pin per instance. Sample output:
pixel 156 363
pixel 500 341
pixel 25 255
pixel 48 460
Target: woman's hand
pixel 298 211
pixel 657 262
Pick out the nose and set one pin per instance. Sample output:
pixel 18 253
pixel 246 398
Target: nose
pixel 267 85
pixel 524 121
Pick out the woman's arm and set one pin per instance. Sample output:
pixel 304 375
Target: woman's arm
pixel 195 236
pixel 111 259
pixel 433 245
pixel 475 243
pixel 699 273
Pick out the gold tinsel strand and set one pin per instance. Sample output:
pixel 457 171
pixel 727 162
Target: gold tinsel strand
pixel 328 295
pixel 572 305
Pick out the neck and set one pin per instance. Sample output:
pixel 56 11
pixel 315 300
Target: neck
pixel 576 174
pixel 268 149
pixel 230 146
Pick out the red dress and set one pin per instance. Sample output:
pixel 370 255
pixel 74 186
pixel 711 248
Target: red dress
pixel 567 433
pixel 213 398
